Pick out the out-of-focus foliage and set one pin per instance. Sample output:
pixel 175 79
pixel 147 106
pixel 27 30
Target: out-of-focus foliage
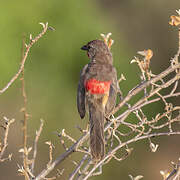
pixel 53 66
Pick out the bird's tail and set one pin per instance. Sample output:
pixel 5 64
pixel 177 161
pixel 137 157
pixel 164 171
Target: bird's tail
pixel 97 144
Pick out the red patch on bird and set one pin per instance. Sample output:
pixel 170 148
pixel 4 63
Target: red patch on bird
pixel 97 87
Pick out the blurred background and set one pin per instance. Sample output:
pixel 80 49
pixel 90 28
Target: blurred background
pixel 53 66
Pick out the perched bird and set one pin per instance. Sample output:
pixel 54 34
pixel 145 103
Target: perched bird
pixel 97 91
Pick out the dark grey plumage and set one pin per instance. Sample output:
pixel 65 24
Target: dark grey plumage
pixel 100 68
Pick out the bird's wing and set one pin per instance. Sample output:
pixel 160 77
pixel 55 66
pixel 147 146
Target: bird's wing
pixel 112 93
pixel 81 93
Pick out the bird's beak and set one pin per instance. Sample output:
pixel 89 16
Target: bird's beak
pixel 85 48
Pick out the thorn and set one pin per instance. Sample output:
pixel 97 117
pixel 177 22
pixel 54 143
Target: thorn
pixel 42 24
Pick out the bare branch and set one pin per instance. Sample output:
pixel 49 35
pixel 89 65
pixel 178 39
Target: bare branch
pixel 50 152
pixel 25 170
pixel 5 140
pixel 38 133
pixel 123 144
pixel 28 47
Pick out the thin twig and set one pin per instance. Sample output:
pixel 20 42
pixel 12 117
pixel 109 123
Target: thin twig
pixel 72 175
pixel 126 143
pixel 50 152
pixel 28 47
pixel 26 171
pixel 140 87
pixel 24 110
pixel 58 160
pixel 5 140
pixel 38 133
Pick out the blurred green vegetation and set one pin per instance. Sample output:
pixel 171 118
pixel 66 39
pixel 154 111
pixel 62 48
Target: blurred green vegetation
pixel 52 68
pixel 52 71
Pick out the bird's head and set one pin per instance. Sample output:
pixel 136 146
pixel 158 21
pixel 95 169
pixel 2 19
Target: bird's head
pixel 97 50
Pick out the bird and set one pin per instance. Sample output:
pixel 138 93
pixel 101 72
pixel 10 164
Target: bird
pixel 96 93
